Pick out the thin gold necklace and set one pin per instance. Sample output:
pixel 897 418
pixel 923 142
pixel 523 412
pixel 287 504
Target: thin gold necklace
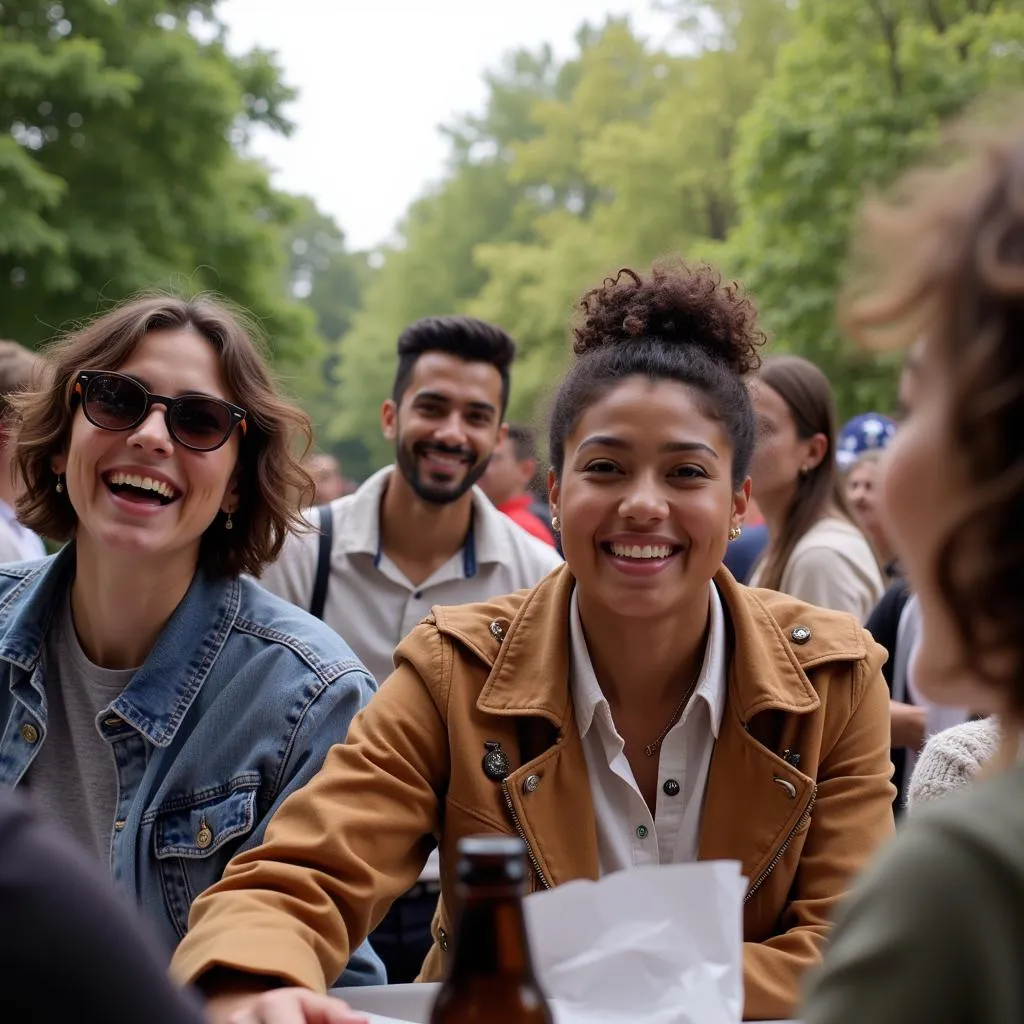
pixel 652 748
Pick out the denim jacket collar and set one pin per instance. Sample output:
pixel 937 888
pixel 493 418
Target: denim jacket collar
pixel 157 699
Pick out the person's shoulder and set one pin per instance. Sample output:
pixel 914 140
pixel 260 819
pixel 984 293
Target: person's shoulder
pixel 984 820
pixel 832 541
pixel 479 626
pixel 952 758
pixel 816 633
pixel 293 632
pixel 536 556
pixel 21 574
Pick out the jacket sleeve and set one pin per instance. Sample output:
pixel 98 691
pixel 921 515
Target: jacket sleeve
pixel 851 818
pixel 340 849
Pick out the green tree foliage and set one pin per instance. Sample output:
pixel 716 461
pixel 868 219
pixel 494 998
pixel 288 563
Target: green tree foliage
pixel 859 93
pixel 330 280
pixel 121 165
pixel 650 137
pixel 431 269
pixel 748 140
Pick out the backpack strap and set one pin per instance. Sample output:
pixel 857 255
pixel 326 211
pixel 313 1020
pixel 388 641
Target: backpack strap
pixel 323 560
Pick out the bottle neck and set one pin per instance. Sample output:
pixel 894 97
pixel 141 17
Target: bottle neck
pixel 491 939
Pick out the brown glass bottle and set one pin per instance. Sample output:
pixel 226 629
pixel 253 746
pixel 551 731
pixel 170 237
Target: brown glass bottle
pixel 490 978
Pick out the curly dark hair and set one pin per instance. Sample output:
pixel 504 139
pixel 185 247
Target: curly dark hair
pixel 271 482
pixel 943 259
pixel 677 322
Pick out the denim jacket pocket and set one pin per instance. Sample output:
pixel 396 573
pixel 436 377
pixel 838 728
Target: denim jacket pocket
pixel 195 836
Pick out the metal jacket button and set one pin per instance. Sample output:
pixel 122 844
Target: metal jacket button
pixel 204 836
pixel 531 783
pixel 29 733
pixel 800 634
pixel 497 629
pixel 496 764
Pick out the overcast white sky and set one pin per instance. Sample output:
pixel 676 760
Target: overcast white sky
pixel 376 78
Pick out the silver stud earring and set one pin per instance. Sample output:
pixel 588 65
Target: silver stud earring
pixel 556 523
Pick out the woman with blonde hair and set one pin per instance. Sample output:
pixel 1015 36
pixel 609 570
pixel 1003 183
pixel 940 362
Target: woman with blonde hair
pixel 158 704
pixel 815 552
pixel 935 931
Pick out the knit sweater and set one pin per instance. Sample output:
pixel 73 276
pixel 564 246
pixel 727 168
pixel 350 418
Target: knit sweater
pixel 950 759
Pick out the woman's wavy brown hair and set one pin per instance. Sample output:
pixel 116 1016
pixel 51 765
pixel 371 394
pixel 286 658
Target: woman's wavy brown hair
pixel 943 258
pixel 272 485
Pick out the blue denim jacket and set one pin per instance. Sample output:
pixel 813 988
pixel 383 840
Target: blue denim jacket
pixel 234 708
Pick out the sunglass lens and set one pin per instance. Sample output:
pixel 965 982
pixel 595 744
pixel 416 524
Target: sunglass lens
pixel 200 423
pixel 114 402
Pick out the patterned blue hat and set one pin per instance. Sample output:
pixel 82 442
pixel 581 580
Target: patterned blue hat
pixel 861 434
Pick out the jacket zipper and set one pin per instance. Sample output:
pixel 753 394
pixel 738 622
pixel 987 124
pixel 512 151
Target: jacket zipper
pixel 522 835
pixel 782 849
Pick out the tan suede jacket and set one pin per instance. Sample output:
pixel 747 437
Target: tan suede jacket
pixel 798 789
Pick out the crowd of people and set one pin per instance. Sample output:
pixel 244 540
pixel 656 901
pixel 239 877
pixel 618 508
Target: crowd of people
pixel 251 708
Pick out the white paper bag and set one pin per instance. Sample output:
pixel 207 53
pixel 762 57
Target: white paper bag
pixel 662 945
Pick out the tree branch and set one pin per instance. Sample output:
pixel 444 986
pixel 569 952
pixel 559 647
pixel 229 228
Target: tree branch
pixel 889 25
pixel 935 14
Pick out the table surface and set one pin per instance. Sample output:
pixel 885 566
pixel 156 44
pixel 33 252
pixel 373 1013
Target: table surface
pixel 408 1003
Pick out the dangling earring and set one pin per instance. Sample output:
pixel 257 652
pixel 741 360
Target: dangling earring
pixel 735 532
pixel 60 484
pixel 228 525
pixel 556 523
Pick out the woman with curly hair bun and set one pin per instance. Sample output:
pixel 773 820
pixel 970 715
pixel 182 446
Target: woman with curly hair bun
pixel 935 932
pixel 638 706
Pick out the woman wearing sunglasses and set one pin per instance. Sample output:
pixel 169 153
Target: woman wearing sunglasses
pixel 156 702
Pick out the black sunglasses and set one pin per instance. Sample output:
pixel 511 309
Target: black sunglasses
pixel 113 401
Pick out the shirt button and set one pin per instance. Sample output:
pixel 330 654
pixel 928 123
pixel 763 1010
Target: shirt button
pixel 29 733
pixel 418 594
pixel 641 831
pixel 671 788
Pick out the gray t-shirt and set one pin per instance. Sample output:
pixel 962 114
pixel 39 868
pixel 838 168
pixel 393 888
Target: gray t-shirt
pixel 73 778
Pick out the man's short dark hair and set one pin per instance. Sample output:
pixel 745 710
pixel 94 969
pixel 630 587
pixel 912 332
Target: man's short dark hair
pixel 470 339
pixel 524 441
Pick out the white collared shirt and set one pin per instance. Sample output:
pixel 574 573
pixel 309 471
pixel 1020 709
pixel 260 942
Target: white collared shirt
pixel 371 602
pixel 627 834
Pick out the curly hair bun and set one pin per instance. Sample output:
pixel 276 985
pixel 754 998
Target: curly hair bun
pixel 677 304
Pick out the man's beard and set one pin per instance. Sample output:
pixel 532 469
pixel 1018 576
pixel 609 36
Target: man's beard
pixel 438 494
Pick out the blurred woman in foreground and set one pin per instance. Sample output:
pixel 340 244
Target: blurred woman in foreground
pixel 936 932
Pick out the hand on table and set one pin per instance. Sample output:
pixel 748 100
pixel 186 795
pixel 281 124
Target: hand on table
pixel 282 1006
